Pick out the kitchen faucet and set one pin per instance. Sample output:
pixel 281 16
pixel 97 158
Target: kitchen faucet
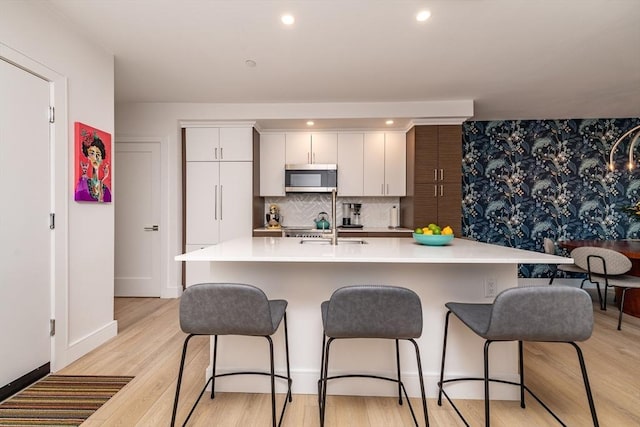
pixel 334 230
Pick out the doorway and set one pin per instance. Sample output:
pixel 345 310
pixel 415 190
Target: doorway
pixel 137 216
pixel 27 194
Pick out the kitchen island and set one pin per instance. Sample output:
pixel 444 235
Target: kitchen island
pixel 307 273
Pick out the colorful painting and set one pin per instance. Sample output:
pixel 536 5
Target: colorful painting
pixel 92 164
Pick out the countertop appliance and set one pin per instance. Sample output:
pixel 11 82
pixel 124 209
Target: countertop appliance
pixel 310 178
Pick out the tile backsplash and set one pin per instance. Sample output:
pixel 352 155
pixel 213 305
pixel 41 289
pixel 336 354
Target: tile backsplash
pixel 302 208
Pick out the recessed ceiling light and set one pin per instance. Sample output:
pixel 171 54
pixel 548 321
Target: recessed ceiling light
pixel 250 63
pixel 310 123
pixel 389 122
pixel 288 19
pixel 423 15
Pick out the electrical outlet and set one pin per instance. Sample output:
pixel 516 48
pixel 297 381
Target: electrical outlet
pixel 490 287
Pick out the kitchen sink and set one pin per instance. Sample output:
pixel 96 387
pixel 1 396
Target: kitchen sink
pixel 323 241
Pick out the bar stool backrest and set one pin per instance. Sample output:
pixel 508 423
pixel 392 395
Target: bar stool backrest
pixel 371 311
pixel 225 309
pixel 549 313
pixel 596 260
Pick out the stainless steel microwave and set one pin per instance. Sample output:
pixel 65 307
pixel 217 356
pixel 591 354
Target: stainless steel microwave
pixel 310 178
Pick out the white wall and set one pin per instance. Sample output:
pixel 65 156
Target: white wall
pixel 84 287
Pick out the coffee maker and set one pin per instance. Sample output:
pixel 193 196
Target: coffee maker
pixel 351 215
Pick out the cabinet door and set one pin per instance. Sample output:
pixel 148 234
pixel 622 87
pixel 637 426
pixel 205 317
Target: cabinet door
pixel 450 153
pixel 324 147
pixel 450 206
pixel 425 209
pixel 373 164
pixel 236 200
pixel 202 195
pixel 236 144
pixel 272 161
pixel 395 164
pixel 350 164
pixel 202 144
pixel 298 148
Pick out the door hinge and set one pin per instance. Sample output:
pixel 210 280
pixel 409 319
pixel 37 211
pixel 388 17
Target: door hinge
pixel 52 221
pixel 52 327
pixel 52 114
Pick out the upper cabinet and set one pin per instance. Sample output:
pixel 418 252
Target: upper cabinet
pixel 350 164
pixel 384 164
pixel 434 173
pixel 226 144
pixel 272 161
pixel 307 147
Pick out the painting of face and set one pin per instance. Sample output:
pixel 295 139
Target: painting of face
pixel 92 168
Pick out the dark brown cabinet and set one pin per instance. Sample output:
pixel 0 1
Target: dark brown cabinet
pixel 434 177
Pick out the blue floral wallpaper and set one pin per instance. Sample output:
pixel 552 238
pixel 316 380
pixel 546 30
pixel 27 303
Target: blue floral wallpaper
pixel 524 180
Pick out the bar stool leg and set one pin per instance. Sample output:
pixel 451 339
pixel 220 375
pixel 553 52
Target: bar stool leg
pixel 421 378
pixel 213 366
pixel 444 353
pixel 587 387
pixel 175 400
pixel 521 369
pixel 486 383
pixel 399 378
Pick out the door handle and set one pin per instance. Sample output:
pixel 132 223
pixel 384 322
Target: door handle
pixel 441 174
pixel 215 153
pixel 220 202
pixel 152 228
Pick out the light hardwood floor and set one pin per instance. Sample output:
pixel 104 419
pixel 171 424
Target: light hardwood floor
pixel 149 343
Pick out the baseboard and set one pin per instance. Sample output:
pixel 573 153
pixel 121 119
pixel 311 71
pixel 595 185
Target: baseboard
pixel 84 345
pixel 169 293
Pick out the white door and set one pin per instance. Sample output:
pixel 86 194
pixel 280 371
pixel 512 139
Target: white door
pixel 324 148
pixel 26 192
pixel 236 200
pixel 137 210
pixel 395 164
pixel 350 164
pixel 203 203
pixel 373 164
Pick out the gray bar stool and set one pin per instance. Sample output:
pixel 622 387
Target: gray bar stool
pixel 232 309
pixel 369 311
pixel 536 314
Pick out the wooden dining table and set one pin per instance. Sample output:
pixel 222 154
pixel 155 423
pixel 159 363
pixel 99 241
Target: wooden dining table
pixel 630 248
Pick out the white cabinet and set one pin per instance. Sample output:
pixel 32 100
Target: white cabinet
pixel 219 144
pixel 385 164
pixel 307 147
pixel 218 201
pixel 350 164
pixel 272 161
pixel 218 194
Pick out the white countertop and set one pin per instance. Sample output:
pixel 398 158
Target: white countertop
pixel 377 250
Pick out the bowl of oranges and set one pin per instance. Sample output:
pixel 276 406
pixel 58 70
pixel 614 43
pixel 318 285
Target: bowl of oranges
pixel 433 235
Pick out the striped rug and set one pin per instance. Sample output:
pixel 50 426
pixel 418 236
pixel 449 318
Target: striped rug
pixel 60 400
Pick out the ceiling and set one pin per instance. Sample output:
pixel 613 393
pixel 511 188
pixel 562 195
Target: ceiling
pixel 515 59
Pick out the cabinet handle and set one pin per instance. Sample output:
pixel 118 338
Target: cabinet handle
pixel 435 191
pixel 382 189
pixel 221 199
pixel 387 189
pixel 435 174
pixel 441 172
pixel 215 153
pixel 308 157
pixel 314 157
pixel 215 203
pixel 222 156
pixel 441 190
